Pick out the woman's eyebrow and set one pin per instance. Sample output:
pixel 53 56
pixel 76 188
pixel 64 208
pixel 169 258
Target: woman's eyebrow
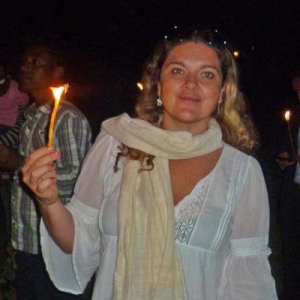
pixel 175 63
pixel 211 67
pixel 201 67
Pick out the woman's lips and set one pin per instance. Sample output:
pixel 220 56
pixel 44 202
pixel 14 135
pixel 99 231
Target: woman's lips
pixel 189 98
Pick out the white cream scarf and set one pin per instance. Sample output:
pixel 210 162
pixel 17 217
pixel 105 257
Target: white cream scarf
pixel 148 265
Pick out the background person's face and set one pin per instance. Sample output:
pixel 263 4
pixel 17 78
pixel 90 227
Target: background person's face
pixel 296 86
pixel 36 70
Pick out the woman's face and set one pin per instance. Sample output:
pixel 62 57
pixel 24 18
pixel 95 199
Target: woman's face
pixel 190 87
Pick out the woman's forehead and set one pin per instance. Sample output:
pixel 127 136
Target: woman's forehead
pixel 193 50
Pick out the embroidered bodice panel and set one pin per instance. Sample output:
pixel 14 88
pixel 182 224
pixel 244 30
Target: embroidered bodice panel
pixel 188 211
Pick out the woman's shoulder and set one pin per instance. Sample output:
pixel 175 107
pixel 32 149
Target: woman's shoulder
pixel 104 139
pixel 230 150
pixel 104 146
pixel 101 157
pixel 238 169
pixel 233 157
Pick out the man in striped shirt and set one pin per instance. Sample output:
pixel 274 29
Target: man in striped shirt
pixel 42 67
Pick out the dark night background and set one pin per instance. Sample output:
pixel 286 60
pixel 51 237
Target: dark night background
pixel 109 41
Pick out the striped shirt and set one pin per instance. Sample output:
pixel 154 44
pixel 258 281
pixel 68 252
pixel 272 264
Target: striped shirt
pixel 72 137
pixel 11 137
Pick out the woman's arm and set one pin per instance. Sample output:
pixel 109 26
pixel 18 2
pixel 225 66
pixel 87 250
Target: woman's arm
pixel 40 175
pixel 246 273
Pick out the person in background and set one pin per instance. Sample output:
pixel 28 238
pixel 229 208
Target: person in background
pixel 12 105
pixel 43 66
pixel 10 99
pixel 289 207
pixel 167 205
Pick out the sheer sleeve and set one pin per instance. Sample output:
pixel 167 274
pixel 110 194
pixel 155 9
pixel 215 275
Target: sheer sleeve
pixel 72 272
pixel 246 274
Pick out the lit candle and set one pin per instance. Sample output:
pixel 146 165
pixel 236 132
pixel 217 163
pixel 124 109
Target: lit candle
pixel 57 92
pixel 287 117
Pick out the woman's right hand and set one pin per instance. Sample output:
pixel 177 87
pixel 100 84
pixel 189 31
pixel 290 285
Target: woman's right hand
pixel 40 175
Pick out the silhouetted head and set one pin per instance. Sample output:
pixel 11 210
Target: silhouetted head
pixel 43 65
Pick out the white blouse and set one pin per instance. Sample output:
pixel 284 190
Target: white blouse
pixel 221 230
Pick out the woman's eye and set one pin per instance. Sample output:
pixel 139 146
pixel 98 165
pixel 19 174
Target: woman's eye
pixel 177 71
pixel 209 75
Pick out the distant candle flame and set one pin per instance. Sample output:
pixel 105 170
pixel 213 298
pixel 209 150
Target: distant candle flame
pixel 57 92
pixel 236 53
pixel 287 117
pixel 140 86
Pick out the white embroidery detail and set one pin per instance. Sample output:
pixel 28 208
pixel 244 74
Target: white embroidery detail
pixel 250 246
pixel 188 213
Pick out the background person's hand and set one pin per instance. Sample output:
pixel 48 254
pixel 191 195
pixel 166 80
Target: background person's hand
pixel 284 160
pixel 40 176
pixel 10 158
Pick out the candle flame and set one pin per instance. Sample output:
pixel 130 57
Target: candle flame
pixel 57 91
pixel 287 115
pixel 140 86
pixel 236 53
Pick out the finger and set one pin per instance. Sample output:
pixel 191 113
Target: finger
pixel 34 174
pixel 33 157
pixel 44 185
pixel 50 174
pixel 42 156
pixel 33 171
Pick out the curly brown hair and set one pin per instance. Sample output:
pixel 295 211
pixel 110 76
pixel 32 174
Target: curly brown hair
pixel 237 127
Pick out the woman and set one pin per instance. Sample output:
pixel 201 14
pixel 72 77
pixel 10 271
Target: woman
pixel 168 173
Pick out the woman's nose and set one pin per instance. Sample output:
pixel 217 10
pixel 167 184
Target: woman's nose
pixel 191 82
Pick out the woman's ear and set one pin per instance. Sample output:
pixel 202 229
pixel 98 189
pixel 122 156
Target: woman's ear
pixel 220 100
pixel 158 89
